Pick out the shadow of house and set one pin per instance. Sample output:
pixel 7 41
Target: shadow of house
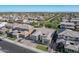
pixel 60 47
pixel 53 41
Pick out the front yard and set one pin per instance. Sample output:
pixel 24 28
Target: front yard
pixel 13 39
pixel 42 47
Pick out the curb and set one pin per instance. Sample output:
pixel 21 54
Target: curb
pixel 21 45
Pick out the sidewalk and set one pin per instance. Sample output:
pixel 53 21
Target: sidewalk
pixel 28 43
pixel 22 45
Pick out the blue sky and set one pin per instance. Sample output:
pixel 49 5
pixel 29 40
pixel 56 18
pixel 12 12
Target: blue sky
pixel 39 8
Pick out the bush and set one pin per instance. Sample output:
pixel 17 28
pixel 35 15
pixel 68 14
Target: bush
pixel 11 37
pixel 48 25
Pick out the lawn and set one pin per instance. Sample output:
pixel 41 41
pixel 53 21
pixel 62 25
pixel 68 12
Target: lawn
pixel 35 24
pixel 54 23
pixel 42 47
pixel 11 38
pixel 1 34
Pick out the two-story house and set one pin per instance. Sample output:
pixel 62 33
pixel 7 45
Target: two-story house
pixel 67 25
pixel 42 35
pixel 69 38
pixel 21 31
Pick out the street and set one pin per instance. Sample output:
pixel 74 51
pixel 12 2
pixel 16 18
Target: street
pixel 6 47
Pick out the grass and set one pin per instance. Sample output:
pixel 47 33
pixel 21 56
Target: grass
pixel 42 47
pixel 54 23
pixel 13 39
pixel 1 34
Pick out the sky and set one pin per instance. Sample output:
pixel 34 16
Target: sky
pixel 39 8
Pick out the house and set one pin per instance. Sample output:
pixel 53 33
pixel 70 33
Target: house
pixel 26 21
pixel 64 20
pixel 73 23
pixel 3 24
pixel 3 28
pixel 12 34
pixel 17 26
pixel 67 25
pixel 72 48
pixel 42 35
pixel 69 38
pixel 20 30
pixel 77 25
pixel 69 35
pixel 74 20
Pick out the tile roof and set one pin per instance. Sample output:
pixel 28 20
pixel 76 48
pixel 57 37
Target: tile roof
pixel 47 32
pixel 67 23
pixel 72 47
pixel 24 26
pixel 70 33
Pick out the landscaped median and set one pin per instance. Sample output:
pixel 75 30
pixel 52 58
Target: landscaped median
pixel 42 47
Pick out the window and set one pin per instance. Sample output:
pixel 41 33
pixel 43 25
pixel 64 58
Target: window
pixel 66 37
pixel 71 43
pixel 77 38
pixel 59 36
pixel 70 50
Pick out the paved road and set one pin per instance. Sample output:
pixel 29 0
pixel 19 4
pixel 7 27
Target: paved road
pixel 6 47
